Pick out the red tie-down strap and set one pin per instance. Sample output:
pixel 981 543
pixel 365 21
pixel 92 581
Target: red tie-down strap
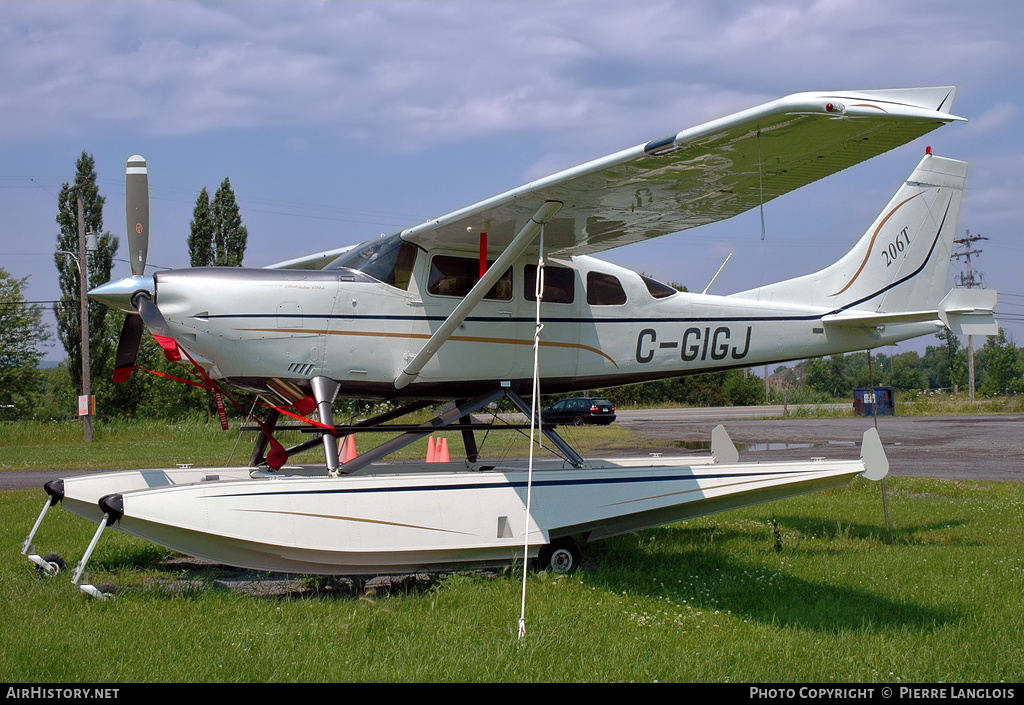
pixel 170 348
pixel 277 456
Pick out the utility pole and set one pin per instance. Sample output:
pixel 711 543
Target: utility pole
pixel 969 281
pixel 83 286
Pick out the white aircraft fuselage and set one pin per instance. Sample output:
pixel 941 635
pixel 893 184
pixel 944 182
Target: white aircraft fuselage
pixel 293 325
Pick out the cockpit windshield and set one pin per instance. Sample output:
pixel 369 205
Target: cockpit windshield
pixel 388 259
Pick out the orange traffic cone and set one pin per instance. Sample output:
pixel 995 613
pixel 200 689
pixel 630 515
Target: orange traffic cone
pixel 350 448
pixel 430 450
pixel 443 453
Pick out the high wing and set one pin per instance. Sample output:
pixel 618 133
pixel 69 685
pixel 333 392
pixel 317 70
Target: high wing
pixel 317 260
pixel 701 175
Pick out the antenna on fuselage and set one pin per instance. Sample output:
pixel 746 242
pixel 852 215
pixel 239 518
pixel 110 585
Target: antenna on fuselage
pixel 716 274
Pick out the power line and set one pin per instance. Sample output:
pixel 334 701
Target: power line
pixel 969 280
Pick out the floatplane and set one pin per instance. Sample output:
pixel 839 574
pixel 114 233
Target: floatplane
pixel 503 299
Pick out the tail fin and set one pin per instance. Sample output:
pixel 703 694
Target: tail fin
pixel 901 263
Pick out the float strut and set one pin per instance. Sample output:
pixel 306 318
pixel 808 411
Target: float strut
pixel 26 545
pixel 113 508
pixel 325 390
pixel 79 571
pixel 54 488
pixel 259 450
pixel 27 549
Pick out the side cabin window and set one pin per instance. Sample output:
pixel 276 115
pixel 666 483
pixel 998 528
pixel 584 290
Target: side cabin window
pixel 657 289
pixel 604 290
pixel 455 276
pixel 559 284
pixel 389 260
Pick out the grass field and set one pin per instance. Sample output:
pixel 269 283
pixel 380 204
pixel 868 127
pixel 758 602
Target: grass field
pixel 155 444
pixel 812 589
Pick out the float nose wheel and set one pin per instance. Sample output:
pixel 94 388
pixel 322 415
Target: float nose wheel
pixel 48 565
pixel 560 556
pixel 54 563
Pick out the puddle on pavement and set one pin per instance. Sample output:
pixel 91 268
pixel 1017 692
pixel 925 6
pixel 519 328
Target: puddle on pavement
pixel 759 447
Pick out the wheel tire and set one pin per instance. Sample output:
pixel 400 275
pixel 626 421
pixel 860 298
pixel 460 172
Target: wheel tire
pixel 577 420
pixel 560 556
pixel 54 560
pixel 108 589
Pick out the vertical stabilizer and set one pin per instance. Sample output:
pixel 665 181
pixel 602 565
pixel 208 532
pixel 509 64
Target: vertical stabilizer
pixel 902 262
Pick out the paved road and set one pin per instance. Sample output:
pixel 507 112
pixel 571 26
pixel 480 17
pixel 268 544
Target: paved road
pixel 952 448
pixel 955 447
pixel 719 413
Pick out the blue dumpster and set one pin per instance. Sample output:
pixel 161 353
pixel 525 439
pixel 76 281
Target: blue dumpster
pixel 873 402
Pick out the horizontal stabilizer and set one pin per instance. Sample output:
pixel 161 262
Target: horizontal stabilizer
pixel 970 312
pixel 867 319
pixel 963 311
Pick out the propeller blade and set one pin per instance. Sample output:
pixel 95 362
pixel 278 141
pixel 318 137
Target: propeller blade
pixel 158 328
pixel 137 211
pixel 127 348
pixel 152 317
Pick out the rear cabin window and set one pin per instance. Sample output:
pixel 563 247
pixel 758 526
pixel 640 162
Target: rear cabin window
pixel 604 290
pixel 455 276
pixel 559 284
pixel 657 289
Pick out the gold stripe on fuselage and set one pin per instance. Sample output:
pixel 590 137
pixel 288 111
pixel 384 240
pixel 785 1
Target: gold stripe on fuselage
pixel 424 336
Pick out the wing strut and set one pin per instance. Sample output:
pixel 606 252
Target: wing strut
pixel 511 253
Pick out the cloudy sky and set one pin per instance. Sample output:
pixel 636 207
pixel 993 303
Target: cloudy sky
pixel 339 121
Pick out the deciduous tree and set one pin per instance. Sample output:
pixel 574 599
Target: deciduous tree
pixel 1003 365
pixel 20 349
pixel 906 372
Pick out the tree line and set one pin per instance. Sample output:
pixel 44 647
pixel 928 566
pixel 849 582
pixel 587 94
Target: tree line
pixel 998 368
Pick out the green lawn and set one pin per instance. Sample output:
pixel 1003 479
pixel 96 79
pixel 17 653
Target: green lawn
pixel 153 444
pixel 804 590
pixel 812 589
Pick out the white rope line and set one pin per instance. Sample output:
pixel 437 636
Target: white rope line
pixel 534 424
pixel 232 453
pixel 760 181
pixel 760 186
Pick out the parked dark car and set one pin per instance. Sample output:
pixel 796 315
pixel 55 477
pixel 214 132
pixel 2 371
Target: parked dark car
pixel 578 411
